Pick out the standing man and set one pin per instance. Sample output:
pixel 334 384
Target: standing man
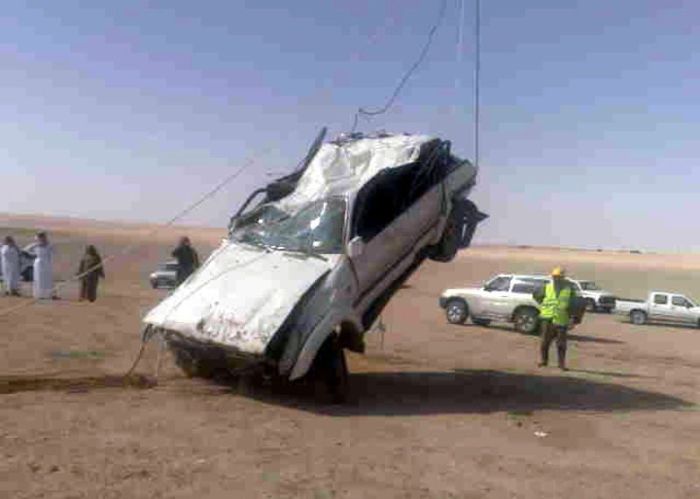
pixel 10 259
pixel 90 271
pixel 187 259
pixel 43 268
pixel 555 302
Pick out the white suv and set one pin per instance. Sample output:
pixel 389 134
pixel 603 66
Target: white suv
pixel 505 298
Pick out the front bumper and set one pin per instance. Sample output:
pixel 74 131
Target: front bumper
pixel 442 301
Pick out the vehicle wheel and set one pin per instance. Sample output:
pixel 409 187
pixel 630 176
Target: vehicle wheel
pixel 446 249
pixel 481 322
pixel 330 366
pixel 526 320
pixel 591 306
pixel 638 317
pixel 456 311
pixel 194 366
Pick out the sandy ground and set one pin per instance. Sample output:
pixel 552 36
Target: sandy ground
pixel 435 411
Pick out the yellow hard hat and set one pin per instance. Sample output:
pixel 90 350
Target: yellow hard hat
pixel 558 272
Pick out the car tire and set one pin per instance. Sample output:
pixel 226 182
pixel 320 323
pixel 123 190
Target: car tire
pixel 638 317
pixel 481 322
pixel 448 245
pixel 456 311
pixel 590 305
pixel 331 368
pixel 526 320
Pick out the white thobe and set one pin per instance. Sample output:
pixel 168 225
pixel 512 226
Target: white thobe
pixel 43 273
pixel 9 256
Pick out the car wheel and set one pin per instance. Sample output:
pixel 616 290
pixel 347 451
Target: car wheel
pixel 526 320
pixel 591 306
pixel 331 368
pixel 446 249
pixel 481 322
pixel 638 317
pixel 456 311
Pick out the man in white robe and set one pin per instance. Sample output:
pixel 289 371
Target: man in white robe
pixel 43 271
pixel 10 260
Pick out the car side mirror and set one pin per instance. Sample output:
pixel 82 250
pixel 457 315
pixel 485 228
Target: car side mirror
pixel 356 247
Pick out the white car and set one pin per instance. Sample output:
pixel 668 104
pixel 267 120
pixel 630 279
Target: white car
pixel 597 300
pixel 306 272
pixel 165 276
pixel 661 307
pixel 504 298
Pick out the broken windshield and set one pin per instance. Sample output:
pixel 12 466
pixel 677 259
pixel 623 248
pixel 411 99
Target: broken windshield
pixel 316 228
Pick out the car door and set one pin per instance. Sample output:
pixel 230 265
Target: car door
pixel 419 205
pixel 496 299
pixel 681 310
pixel 660 307
pixel 371 220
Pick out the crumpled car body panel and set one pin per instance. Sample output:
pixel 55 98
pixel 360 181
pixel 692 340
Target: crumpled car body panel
pixel 239 298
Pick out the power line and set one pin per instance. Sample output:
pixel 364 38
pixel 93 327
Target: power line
pixel 364 112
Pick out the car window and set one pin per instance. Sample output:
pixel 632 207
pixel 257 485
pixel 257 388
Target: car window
pixel 660 299
pixel 526 288
pixel 499 284
pixel 680 301
pixel 317 227
pixel 170 266
pixel 589 286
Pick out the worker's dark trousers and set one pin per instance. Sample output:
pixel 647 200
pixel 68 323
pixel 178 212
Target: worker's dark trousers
pixel 547 333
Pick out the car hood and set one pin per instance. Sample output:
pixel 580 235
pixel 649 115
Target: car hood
pixel 240 296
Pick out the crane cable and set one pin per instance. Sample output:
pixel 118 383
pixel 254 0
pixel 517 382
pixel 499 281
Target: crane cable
pixel 364 112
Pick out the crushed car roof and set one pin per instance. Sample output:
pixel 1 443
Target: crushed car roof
pixel 344 166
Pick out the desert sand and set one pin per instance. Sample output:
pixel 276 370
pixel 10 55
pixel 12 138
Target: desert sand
pixel 435 410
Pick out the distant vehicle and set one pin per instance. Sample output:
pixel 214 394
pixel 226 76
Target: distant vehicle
pixel 504 298
pixel 597 300
pixel 26 263
pixel 660 307
pixel 165 276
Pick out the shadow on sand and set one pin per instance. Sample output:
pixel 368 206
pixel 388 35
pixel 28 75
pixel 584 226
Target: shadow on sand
pixel 572 337
pixel 470 391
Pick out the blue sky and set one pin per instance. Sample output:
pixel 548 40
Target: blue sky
pixel 130 110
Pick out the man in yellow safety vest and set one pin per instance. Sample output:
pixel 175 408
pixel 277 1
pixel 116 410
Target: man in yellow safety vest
pixel 555 301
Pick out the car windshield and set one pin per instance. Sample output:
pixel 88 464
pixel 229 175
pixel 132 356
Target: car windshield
pixel 315 228
pixel 589 286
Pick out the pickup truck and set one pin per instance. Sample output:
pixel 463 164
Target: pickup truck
pixel 660 307
pixel 597 300
pixel 504 298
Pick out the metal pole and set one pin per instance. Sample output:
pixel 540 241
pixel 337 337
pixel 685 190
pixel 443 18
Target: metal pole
pixel 477 67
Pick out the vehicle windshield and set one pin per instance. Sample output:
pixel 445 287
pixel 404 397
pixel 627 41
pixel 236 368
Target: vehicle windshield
pixel 316 228
pixel 589 286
